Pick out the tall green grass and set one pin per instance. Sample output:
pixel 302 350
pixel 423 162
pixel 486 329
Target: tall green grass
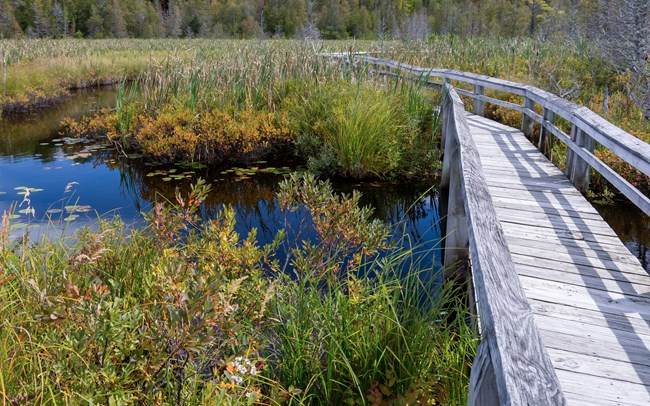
pixel 182 312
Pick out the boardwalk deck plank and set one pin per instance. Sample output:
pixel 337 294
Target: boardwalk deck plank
pixel 624 274
pixel 589 295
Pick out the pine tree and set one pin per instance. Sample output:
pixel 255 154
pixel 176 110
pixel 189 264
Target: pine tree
pixel 117 21
pixel 95 23
pixel 9 27
pixel 60 23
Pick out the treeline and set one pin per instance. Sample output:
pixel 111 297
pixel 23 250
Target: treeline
pixel 327 19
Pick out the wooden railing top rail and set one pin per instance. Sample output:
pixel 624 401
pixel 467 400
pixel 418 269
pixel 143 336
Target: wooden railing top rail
pixel 629 148
pixel 511 356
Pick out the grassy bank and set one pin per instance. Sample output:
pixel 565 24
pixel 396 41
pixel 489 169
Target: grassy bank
pixel 182 312
pixel 572 71
pixel 40 71
pixel 261 104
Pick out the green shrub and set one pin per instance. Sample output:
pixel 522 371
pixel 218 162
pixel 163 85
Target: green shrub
pixel 183 312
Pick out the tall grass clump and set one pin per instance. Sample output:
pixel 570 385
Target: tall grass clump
pixel 189 312
pixel 364 128
pixel 263 104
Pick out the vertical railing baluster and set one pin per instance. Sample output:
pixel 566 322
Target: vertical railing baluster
pixel 479 105
pixel 526 121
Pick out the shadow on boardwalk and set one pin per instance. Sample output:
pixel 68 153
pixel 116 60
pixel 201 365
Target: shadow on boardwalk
pixel 590 296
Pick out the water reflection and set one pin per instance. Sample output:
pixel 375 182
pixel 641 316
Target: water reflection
pixel 80 172
pixel 34 154
pixel 21 136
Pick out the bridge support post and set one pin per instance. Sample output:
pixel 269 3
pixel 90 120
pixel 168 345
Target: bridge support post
pixel 482 381
pixel 547 116
pixel 527 122
pixel 456 252
pixel 577 169
pixel 479 105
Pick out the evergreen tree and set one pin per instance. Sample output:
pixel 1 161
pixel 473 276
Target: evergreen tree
pixel 118 25
pixel 95 23
pixel 9 27
pixel 60 23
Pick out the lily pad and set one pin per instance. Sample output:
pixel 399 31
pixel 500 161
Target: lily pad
pixel 77 209
pixel 44 143
pixel 71 217
pixel 23 190
pixel 166 179
pixel 54 211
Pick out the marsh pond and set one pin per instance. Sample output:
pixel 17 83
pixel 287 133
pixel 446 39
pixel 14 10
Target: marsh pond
pixel 73 181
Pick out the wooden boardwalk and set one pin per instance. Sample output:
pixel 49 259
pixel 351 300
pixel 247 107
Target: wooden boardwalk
pixel 589 295
pixel 563 306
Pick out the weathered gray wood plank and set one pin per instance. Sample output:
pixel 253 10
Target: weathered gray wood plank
pixel 521 365
pixel 599 366
pixel 571 313
pixel 617 271
pixel 590 297
pixel 595 391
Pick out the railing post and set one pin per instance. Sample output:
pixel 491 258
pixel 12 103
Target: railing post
pixel 570 155
pixel 456 252
pixel 447 134
pixel 527 122
pixel 479 105
pixel 482 381
pixel 577 169
pixel 547 116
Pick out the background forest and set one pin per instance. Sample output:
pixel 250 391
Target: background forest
pixel 327 19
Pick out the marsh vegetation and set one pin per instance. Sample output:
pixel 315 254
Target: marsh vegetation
pixel 195 304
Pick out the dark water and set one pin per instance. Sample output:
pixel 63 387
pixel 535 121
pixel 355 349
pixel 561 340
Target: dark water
pixel 632 226
pixel 64 172
pixel 72 183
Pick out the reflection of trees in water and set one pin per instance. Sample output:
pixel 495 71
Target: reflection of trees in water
pixel 254 199
pixel 22 135
pixel 403 205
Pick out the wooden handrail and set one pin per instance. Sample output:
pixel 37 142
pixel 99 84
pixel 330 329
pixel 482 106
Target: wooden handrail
pixel 588 128
pixel 512 366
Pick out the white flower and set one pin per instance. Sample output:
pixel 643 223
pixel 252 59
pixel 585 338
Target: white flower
pixel 238 379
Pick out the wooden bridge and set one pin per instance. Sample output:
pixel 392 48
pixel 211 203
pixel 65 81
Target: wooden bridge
pixel 563 306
